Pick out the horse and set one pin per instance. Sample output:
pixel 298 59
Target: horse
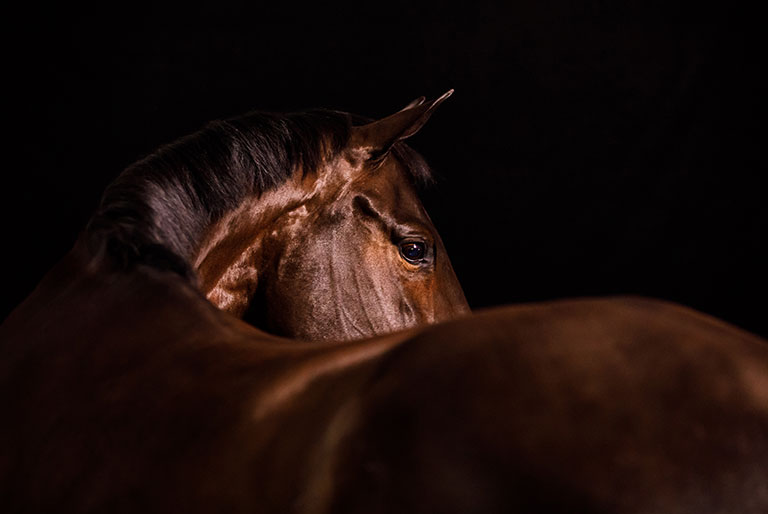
pixel 133 381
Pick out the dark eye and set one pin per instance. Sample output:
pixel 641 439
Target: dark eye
pixel 413 252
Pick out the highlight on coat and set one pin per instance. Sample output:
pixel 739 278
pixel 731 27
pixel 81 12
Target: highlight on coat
pixel 261 317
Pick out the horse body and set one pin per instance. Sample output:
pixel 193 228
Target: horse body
pixel 620 405
pixel 611 405
pixel 125 389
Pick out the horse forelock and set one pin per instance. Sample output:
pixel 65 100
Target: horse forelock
pixel 155 212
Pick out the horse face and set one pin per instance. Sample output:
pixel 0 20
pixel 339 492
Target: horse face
pixel 368 262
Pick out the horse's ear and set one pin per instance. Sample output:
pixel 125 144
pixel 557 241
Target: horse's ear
pixel 420 100
pixel 378 136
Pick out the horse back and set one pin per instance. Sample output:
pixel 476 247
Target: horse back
pixel 614 405
pixel 131 392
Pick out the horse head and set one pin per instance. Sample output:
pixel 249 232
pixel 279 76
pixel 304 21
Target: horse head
pixel 307 225
pixel 341 251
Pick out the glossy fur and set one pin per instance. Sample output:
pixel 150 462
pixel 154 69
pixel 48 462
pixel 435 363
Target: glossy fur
pixel 125 390
pixel 324 263
pixel 292 222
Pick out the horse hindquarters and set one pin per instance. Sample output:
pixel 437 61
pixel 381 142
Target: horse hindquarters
pixel 591 406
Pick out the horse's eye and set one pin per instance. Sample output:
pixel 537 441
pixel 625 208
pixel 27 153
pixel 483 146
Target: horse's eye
pixel 413 252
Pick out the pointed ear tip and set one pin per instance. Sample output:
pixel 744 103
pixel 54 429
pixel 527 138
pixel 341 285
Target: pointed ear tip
pixel 443 97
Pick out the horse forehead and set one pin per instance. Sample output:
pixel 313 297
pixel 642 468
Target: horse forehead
pixel 388 183
pixel 388 187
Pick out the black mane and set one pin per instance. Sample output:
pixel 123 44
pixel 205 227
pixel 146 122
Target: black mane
pixel 156 211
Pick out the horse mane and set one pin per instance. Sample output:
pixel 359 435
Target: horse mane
pixel 155 212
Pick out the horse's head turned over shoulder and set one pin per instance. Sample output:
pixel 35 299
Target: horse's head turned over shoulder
pixel 307 225
pixel 125 390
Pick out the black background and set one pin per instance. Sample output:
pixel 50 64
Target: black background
pixel 590 148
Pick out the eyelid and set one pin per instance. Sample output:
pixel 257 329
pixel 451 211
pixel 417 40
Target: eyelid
pixel 412 239
pixel 409 233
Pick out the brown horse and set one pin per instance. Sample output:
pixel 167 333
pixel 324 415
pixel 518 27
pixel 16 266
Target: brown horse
pixel 125 390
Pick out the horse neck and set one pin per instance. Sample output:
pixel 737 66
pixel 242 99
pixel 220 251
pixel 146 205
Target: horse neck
pixel 169 211
pixel 241 244
pixel 149 219
pixel 87 300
